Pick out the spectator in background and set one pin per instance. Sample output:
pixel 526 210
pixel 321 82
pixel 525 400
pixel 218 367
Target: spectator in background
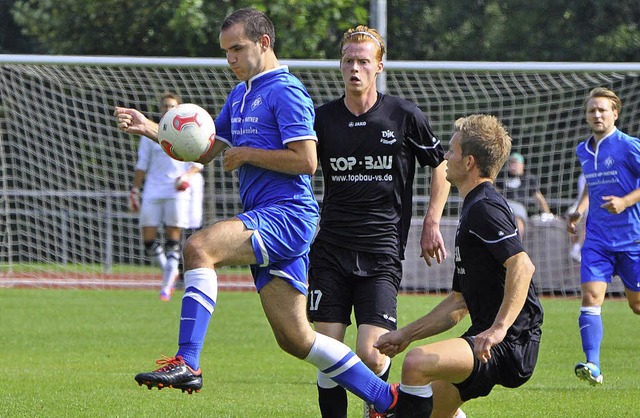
pixel 519 188
pixel 165 201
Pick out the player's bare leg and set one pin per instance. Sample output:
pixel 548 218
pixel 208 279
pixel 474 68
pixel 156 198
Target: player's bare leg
pixel 285 308
pixel 633 299
pixel 449 360
pixel 376 361
pixel 224 242
pixel 446 400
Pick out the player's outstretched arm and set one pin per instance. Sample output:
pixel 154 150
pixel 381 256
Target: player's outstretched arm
pixel 213 152
pixel 442 318
pixel 133 122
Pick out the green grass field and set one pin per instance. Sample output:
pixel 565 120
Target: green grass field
pixel 73 353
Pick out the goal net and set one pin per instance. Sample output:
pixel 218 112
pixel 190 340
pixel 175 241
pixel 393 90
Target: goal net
pixel 65 169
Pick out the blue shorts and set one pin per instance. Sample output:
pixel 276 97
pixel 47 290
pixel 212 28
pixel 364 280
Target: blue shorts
pixel 282 236
pixel 600 265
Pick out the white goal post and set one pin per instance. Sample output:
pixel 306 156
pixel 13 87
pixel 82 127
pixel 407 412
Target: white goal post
pixel 65 169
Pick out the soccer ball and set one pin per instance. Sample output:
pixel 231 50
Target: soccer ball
pixel 186 132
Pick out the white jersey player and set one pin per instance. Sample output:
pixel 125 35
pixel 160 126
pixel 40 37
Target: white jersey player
pixel 166 201
pixel 196 189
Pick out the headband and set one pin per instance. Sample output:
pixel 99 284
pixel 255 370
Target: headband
pixel 369 35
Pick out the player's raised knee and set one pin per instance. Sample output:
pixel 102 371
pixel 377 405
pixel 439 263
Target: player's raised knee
pixel 195 254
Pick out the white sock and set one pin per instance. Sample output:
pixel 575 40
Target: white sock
pixel 421 391
pixel 170 273
pixel 206 281
pixel 161 260
pixel 387 364
pixel 325 381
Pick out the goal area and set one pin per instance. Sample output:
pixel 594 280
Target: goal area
pixel 66 170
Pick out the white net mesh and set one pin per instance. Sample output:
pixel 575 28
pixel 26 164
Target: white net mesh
pixel 66 170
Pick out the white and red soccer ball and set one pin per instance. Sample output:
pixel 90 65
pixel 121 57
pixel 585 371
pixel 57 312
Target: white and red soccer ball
pixel 186 132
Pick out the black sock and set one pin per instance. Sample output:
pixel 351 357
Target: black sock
pixel 333 402
pixel 411 406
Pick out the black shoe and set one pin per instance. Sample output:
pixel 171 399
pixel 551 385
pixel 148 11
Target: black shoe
pixel 173 374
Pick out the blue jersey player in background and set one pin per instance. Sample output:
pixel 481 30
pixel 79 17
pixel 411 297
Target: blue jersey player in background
pixel 266 130
pixel 610 161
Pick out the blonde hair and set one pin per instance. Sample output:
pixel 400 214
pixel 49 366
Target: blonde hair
pixel 362 33
pixel 604 92
pixel 486 138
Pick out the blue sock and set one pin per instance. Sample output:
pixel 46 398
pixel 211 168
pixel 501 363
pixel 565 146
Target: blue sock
pixel 198 303
pixel 591 332
pixel 337 361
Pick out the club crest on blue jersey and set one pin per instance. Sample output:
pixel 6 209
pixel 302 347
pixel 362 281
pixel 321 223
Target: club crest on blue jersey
pixel 609 162
pixel 256 102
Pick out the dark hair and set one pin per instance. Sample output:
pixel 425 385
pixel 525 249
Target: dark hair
pixel 169 95
pixel 255 24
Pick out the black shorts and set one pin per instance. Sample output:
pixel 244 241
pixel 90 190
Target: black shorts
pixel 341 279
pixel 511 365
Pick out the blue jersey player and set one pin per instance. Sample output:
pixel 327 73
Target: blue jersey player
pixel 610 161
pixel 266 130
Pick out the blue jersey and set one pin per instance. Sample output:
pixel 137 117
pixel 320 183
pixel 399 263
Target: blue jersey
pixel 612 168
pixel 268 111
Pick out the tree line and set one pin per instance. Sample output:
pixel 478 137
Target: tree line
pixel 464 30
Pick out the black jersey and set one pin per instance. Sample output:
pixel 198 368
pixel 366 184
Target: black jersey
pixel 368 163
pixel 486 237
